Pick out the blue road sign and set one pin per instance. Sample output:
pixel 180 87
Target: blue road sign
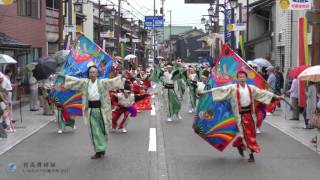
pixel 153 22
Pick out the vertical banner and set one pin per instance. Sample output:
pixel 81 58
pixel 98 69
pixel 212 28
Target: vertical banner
pixel 227 35
pixel 306 46
pixel 123 50
pixel 241 44
pixel 302 60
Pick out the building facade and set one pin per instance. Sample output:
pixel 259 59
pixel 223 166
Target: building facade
pixel 25 21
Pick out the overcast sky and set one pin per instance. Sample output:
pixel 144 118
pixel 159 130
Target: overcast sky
pixel 182 14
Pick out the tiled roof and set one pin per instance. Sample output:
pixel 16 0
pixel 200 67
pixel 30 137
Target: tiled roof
pixel 7 41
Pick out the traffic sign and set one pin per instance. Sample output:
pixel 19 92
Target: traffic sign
pixel 153 22
pixel 69 28
pixel 107 34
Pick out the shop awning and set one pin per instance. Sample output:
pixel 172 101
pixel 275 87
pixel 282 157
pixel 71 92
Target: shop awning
pixel 9 42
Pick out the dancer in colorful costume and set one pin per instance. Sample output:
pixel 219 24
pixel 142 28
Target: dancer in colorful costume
pixel 96 105
pixel 172 101
pixel 242 98
pixel 124 106
pixel 192 83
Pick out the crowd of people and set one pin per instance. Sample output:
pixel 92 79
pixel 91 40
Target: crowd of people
pixel 109 103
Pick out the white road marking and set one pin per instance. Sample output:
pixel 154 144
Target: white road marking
pixel 152 139
pixel 153 111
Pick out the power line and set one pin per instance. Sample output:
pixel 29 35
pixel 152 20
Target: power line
pixel 142 6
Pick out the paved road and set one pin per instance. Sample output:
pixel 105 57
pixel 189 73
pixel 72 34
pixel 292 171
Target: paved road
pixel 127 156
pixel 180 155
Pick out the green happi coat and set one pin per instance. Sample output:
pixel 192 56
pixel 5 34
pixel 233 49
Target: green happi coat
pixel 180 80
pixel 99 119
pixel 172 101
pixel 192 82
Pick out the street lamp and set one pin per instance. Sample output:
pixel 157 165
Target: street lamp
pixel 215 18
pixel 211 10
pixel 233 3
pixel 207 26
pixel 113 11
pixel 203 20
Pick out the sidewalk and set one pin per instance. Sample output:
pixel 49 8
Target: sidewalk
pixel 293 128
pixel 32 121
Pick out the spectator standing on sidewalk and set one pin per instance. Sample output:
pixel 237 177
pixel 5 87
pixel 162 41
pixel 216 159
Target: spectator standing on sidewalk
pixel 6 84
pixel 5 107
pixel 34 93
pixel 271 79
pixel 45 93
pixel 294 94
pixel 279 80
pixel 288 83
pixel 311 94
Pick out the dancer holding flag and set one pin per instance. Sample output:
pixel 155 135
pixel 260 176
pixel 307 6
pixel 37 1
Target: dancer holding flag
pixel 242 97
pixel 96 104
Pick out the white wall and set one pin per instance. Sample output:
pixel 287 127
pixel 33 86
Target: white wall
pixel 283 26
pixel 88 24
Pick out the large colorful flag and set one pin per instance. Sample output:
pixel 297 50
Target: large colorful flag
pixel 80 55
pixel 216 122
pixel 230 63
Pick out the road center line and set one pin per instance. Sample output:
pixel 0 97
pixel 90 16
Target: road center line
pixel 152 139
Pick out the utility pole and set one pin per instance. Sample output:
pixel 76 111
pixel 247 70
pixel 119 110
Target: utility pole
pixel 170 25
pixel 154 31
pixel 99 22
pixel 170 29
pixel 162 13
pixel 119 28
pixel 70 17
pixel 248 14
pixel 61 24
pixel 316 34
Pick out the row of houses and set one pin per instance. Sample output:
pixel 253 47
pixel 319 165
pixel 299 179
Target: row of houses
pixel 274 33
pixel 31 29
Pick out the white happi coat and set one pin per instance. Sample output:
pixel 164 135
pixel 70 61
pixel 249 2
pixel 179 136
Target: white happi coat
pixel 104 86
pixel 230 92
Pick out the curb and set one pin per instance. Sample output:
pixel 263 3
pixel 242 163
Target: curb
pixel 2 151
pixel 295 137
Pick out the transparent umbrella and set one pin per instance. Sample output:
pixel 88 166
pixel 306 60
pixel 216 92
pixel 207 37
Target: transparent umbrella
pixel 61 56
pixel 5 59
pixel 130 56
pixel 262 62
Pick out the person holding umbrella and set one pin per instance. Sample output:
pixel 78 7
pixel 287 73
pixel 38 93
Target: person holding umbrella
pixel 96 104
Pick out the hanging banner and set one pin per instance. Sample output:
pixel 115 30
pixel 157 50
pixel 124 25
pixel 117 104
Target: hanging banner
pixel 295 4
pixel 6 2
pixel 303 54
pixel 227 22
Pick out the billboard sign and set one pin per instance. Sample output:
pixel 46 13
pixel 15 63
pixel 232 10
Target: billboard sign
pixel 295 4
